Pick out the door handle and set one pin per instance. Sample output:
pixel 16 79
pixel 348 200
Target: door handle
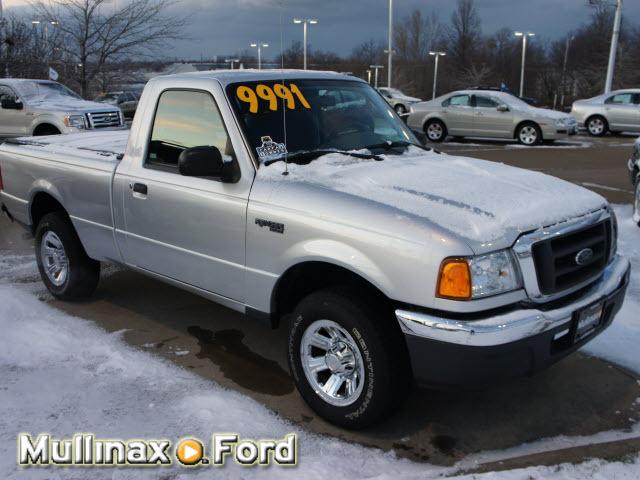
pixel 140 188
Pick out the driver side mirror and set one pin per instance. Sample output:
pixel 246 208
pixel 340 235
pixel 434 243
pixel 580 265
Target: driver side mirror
pixel 206 161
pixel 10 104
pixel 502 108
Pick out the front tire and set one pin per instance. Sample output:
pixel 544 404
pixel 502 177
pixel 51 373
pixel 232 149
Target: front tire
pixel 400 109
pixel 597 126
pixel 529 134
pixel 348 359
pixel 435 130
pixel 66 270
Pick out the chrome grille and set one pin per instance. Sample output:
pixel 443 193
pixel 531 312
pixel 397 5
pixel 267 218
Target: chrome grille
pixel 556 261
pixel 104 119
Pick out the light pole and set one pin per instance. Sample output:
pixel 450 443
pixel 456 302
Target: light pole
pixel 525 36
pixel 614 47
pixel 437 56
pixel 369 76
pixel 259 46
pixel 231 61
pixel 563 83
pixel 390 50
pixel 376 69
pixel 305 22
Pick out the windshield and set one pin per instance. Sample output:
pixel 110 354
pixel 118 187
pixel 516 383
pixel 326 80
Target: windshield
pixel 318 115
pixel 108 97
pixel 44 89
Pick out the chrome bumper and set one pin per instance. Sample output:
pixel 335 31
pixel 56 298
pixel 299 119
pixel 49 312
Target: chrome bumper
pixel 511 326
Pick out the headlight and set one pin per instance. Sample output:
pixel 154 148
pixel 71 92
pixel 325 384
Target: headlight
pixel 480 276
pixel 75 121
pixel 562 122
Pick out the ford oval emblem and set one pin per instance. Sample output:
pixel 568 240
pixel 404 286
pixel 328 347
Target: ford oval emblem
pixel 584 256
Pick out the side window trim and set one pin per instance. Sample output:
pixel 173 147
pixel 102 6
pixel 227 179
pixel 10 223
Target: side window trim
pixel 171 168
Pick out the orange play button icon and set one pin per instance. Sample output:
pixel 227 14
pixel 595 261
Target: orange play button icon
pixel 189 451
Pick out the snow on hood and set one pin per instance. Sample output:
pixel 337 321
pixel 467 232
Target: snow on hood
pixel 478 200
pixel 67 104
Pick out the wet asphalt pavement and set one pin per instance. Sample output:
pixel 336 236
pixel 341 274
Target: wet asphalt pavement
pixel 578 396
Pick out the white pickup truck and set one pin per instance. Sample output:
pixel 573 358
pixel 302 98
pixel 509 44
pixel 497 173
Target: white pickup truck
pixel 303 195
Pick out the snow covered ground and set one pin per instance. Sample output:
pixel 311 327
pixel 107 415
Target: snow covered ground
pixel 63 375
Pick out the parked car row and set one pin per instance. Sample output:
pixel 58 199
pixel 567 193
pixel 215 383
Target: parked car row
pixel 126 101
pixel 614 112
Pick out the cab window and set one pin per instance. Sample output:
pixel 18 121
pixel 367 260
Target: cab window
pixel 485 102
pixel 621 99
pixel 6 93
pixel 457 101
pixel 185 119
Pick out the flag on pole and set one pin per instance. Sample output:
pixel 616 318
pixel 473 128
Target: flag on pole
pixel 53 75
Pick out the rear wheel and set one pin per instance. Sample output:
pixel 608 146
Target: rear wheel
pixel 529 134
pixel 65 268
pixel 348 359
pixel 597 126
pixel 435 131
pixel 400 109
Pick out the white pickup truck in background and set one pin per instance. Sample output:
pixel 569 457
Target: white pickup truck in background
pixel 43 107
pixel 303 195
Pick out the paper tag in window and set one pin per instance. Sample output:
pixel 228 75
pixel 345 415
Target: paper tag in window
pixel 270 150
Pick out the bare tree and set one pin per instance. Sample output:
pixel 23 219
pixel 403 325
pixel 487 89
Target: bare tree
pixel 95 33
pixel 464 34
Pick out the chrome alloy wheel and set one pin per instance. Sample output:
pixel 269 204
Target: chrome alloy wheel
pixel 435 132
pixel 332 363
pixel 54 259
pixel 528 135
pixel 596 126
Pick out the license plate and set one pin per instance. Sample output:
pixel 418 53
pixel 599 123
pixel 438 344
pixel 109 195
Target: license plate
pixel 589 319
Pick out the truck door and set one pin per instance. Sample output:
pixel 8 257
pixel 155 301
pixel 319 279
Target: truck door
pixel 13 122
pixel 188 229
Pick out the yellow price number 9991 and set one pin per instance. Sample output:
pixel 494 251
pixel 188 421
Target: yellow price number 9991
pixel 290 95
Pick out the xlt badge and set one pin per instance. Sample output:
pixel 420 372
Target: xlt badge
pixel 273 226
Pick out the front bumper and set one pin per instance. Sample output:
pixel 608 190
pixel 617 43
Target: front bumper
pixel 447 351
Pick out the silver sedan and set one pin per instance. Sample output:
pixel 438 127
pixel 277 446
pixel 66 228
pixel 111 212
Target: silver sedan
pixel 491 114
pixel 614 112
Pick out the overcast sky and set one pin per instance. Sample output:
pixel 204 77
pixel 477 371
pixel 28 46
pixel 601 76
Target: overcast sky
pixel 221 27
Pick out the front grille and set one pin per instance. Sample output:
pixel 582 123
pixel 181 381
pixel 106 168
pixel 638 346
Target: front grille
pixel 556 262
pixel 104 119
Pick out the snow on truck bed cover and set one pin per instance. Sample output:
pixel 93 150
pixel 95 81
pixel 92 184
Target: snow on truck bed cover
pixel 101 145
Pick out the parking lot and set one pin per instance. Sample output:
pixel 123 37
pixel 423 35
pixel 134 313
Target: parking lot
pixel 577 397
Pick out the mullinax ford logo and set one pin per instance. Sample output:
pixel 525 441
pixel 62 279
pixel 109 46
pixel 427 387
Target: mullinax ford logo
pixel 85 450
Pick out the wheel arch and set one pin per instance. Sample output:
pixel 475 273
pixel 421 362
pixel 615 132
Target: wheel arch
pixel 42 203
pixel 305 277
pixel 44 126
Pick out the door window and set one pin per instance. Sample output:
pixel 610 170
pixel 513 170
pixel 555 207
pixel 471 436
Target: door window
pixel 458 101
pixel 185 119
pixel 485 102
pixel 6 93
pixel 621 99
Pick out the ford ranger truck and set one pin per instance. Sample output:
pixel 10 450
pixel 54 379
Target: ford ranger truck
pixel 303 196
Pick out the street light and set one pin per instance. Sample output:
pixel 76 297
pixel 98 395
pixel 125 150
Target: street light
pixel 524 36
pixel 231 61
pixel 305 22
pixel 376 68
pixel 615 36
pixel 437 56
pixel 390 49
pixel 259 46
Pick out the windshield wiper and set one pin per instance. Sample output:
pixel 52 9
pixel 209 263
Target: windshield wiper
pixel 389 145
pixel 304 157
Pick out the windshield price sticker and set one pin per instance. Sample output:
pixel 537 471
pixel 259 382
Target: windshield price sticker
pixel 291 95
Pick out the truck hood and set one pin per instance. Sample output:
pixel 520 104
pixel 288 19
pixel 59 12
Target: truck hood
pixel 68 105
pixel 485 203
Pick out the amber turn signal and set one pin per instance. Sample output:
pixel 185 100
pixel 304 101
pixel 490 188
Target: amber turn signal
pixel 454 281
